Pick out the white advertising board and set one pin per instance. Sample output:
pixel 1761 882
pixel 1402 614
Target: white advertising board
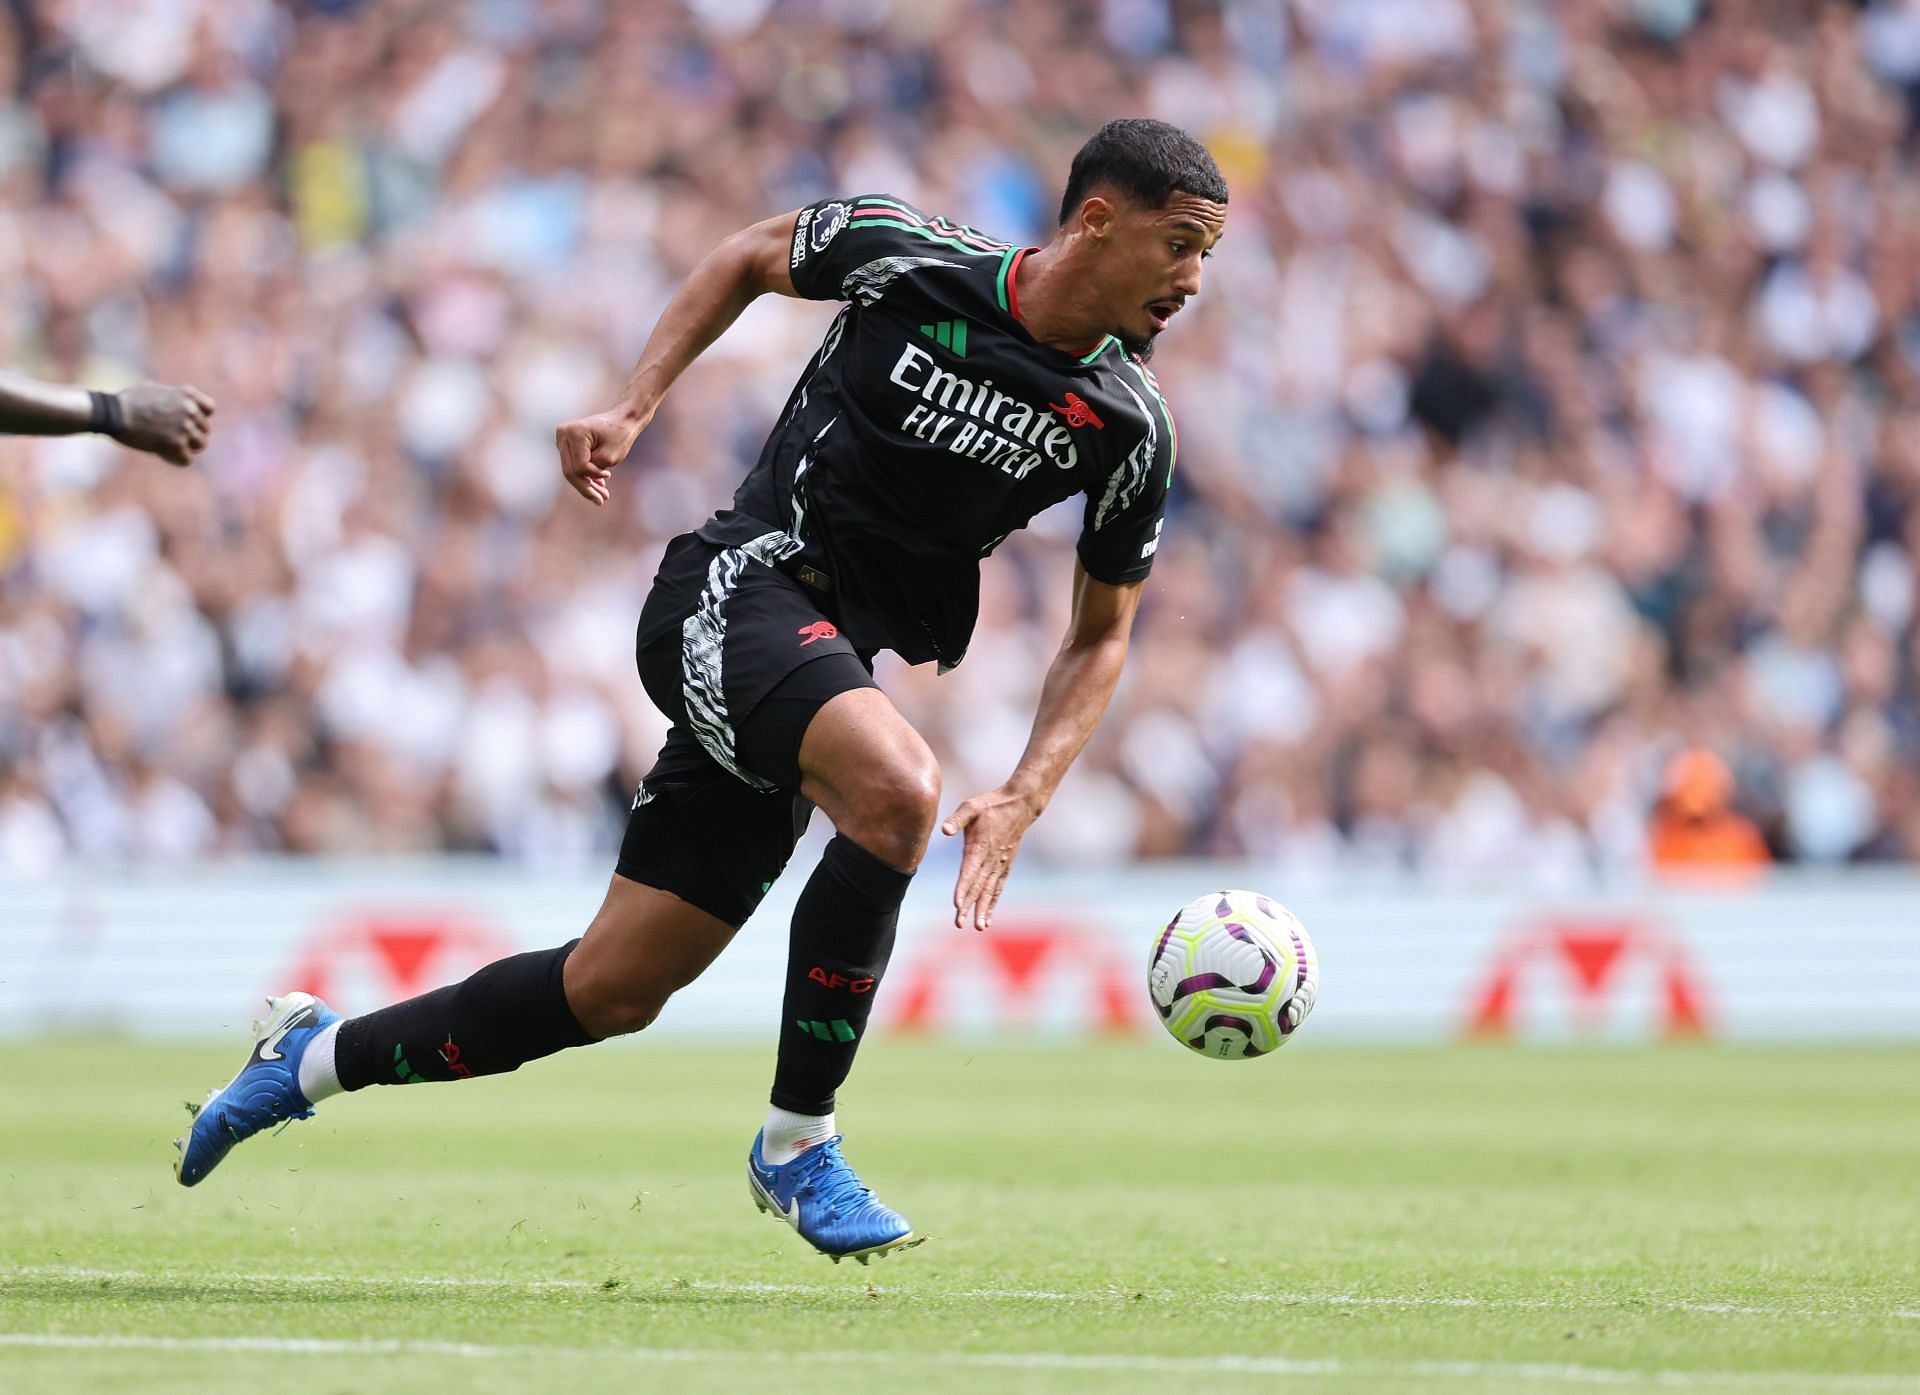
pixel 190 954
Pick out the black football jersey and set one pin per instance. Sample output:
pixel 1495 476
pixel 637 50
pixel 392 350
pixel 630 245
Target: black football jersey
pixel 931 424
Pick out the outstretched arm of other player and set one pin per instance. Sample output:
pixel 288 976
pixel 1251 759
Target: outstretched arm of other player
pixel 1079 685
pixel 168 421
pixel 731 277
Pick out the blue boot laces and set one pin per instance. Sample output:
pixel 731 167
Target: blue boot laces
pixel 832 1182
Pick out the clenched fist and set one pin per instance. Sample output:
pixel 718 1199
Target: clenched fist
pixel 591 447
pixel 171 422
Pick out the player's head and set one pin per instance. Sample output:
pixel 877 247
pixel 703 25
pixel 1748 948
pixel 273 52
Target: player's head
pixel 1150 203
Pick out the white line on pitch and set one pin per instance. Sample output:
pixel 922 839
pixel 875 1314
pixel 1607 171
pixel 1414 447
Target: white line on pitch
pixel 1030 1295
pixel 65 1271
pixel 1020 1361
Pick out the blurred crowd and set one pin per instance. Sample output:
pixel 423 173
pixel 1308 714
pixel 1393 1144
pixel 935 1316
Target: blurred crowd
pixel 1550 420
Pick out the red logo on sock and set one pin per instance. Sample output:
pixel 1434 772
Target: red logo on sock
pixel 819 629
pixel 839 981
pixel 451 1055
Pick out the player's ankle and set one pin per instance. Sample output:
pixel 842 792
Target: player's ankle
pixel 788 1134
pixel 318 1077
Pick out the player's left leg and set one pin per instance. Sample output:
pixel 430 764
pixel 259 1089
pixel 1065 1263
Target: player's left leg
pixel 783 702
pixel 866 768
pixel 851 753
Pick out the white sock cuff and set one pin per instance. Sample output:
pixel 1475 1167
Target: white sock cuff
pixel 317 1076
pixel 787 1134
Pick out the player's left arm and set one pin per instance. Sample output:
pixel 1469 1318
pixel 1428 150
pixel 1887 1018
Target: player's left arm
pixel 1080 683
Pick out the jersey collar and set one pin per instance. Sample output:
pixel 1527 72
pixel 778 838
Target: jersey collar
pixel 1009 275
pixel 1010 302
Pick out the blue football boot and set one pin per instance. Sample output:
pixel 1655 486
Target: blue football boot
pixel 265 1093
pixel 819 1195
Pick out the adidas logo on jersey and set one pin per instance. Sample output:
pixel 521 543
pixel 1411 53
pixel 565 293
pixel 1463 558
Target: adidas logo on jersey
pixel 948 334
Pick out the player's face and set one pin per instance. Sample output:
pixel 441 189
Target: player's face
pixel 1159 270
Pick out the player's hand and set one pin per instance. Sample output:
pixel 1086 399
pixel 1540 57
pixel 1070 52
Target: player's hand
pixel 170 422
pixel 591 447
pixel 994 824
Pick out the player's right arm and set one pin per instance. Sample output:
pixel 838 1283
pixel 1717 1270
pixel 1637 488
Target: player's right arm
pixel 168 421
pixel 741 269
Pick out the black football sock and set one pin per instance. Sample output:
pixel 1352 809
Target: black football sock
pixel 511 1012
pixel 843 928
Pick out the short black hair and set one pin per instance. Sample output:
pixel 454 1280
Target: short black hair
pixel 1148 160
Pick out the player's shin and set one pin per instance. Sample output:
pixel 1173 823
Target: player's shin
pixel 495 1021
pixel 843 931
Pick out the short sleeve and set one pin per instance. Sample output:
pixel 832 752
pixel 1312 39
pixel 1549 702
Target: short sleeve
pixel 1125 511
pixel 836 237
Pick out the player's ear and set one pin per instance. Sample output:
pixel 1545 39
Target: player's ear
pixel 1097 215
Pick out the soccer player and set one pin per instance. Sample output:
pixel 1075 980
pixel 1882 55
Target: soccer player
pixel 170 422
pixel 965 386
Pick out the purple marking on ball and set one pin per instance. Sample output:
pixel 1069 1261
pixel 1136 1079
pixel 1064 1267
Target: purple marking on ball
pixel 1224 908
pixel 1199 983
pixel 1288 1026
pixel 1221 1019
pixel 1161 947
pixel 1267 967
pixel 1266 906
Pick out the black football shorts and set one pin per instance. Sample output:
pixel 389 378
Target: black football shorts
pixel 739 656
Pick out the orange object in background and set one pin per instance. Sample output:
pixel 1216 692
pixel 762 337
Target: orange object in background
pixel 1695 830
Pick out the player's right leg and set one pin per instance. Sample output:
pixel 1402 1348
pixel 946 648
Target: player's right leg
pixel 642 946
pixel 700 851
pixel 265 1092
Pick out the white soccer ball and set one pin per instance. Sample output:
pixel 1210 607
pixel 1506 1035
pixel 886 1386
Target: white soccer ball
pixel 1233 975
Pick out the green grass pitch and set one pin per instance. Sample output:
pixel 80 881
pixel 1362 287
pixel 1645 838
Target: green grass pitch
pixel 1115 1218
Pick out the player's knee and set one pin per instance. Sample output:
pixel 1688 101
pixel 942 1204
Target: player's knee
pixel 896 817
pixel 615 1014
pixel 609 1006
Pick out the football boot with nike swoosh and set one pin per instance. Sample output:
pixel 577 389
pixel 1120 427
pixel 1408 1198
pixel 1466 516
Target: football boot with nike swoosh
pixel 265 1092
pixel 821 1196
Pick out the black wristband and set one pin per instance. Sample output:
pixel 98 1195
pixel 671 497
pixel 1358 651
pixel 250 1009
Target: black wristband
pixel 107 418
